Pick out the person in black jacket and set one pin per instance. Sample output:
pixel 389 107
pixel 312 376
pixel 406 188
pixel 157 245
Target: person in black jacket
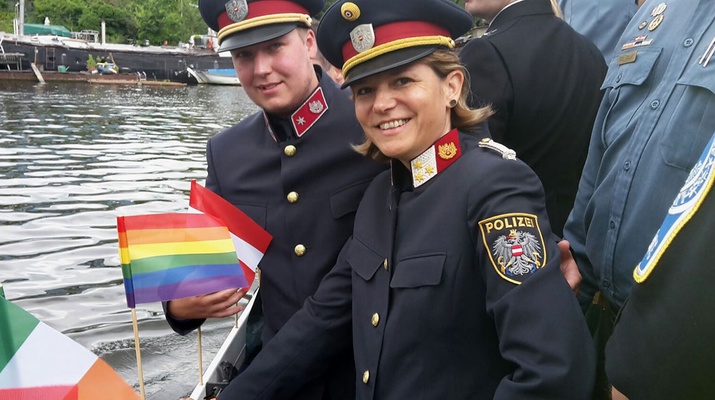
pixel 450 286
pixel 543 81
pixel 290 167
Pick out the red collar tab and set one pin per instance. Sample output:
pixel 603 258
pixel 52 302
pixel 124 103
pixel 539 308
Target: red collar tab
pixel 436 159
pixel 309 113
pixel 396 31
pixel 263 8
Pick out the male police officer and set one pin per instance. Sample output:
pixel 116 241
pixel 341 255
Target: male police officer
pixel 290 167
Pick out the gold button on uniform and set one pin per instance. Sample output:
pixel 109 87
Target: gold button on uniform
pixel 292 197
pixel 366 377
pixel 375 319
pixel 289 150
pixel 299 250
pixel 384 264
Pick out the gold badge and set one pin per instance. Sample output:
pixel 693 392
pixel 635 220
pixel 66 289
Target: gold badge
pixel 655 22
pixel 447 150
pixel 627 58
pixel 658 9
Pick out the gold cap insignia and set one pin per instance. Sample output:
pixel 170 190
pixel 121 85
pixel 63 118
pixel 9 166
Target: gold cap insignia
pixel 350 11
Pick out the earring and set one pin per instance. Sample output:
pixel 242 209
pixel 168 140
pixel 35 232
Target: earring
pixel 452 103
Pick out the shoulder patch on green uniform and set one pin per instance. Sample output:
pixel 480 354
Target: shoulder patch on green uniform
pixel 506 153
pixel 515 245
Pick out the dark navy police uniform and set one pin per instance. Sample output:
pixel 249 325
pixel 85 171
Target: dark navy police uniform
pixel 450 288
pixel 303 190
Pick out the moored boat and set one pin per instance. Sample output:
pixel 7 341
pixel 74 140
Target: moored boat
pixel 70 54
pixel 215 76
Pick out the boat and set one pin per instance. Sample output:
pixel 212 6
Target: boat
pixel 215 76
pixel 53 52
pixel 229 357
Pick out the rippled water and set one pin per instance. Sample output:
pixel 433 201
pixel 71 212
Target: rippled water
pixel 73 156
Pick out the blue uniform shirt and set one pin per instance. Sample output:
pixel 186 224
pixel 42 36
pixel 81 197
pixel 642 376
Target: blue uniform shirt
pixel 601 21
pixel 657 114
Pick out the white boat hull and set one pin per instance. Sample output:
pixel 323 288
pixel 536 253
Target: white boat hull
pixel 215 76
pixel 233 350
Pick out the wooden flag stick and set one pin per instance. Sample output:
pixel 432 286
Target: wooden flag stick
pixel 201 362
pixel 139 353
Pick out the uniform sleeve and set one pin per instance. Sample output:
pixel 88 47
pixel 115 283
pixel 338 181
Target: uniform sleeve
pixel 575 228
pixel 540 326
pixel 490 84
pixel 306 345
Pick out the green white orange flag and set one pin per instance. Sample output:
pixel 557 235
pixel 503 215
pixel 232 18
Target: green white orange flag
pixel 40 363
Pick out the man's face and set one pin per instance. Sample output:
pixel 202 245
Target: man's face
pixel 278 74
pixel 486 9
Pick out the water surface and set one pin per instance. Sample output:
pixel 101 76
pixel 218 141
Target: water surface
pixel 74 156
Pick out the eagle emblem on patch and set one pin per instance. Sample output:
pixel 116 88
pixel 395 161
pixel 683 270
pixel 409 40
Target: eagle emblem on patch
pixel 515 245
pixel 237 10
pixel 362 37
pixel 316 107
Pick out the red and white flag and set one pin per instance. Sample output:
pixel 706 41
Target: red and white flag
pixel 250 239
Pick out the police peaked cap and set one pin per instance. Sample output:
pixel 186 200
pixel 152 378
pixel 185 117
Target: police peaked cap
pixel 243 23
pixel 371 36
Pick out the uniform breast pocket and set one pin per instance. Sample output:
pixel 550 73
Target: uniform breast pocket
pixel 346 200
pixel 690 117
pixel 627 72
pixel 419 271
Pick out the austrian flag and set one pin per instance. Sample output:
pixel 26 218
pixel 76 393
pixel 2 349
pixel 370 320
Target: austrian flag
pixel 249 238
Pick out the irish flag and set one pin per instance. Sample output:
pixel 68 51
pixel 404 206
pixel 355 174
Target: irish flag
pixel 171 256
pixel 39 363
pixel 250 239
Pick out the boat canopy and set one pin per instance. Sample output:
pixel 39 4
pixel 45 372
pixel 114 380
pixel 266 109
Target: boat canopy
pixel 40 29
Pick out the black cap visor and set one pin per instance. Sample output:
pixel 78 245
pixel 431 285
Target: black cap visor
pixel 252 36
pixel 382 63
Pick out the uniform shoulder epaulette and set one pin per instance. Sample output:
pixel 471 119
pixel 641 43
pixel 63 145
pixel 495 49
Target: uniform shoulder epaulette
pixel 506 153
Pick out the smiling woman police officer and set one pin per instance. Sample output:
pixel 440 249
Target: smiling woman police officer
pixel 451 281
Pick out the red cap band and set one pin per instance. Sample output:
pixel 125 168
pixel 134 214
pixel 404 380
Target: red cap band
pixel 263 8
pixel 395 31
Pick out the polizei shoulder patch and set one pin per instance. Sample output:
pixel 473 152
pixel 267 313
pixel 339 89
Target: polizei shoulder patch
pixel 515 245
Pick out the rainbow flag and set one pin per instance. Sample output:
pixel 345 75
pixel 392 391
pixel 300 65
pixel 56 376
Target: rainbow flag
pixel 39 363
pixel 250 239
pixel 171 256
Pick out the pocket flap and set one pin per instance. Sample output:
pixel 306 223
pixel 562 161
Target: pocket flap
pixel 419 271
pixel 632 73
pixel 364 261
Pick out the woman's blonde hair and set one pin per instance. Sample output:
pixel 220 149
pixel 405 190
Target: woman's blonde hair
pixel 462 117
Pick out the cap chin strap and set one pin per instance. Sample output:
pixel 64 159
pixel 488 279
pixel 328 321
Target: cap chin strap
pixel 264 20
pixel 396 45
